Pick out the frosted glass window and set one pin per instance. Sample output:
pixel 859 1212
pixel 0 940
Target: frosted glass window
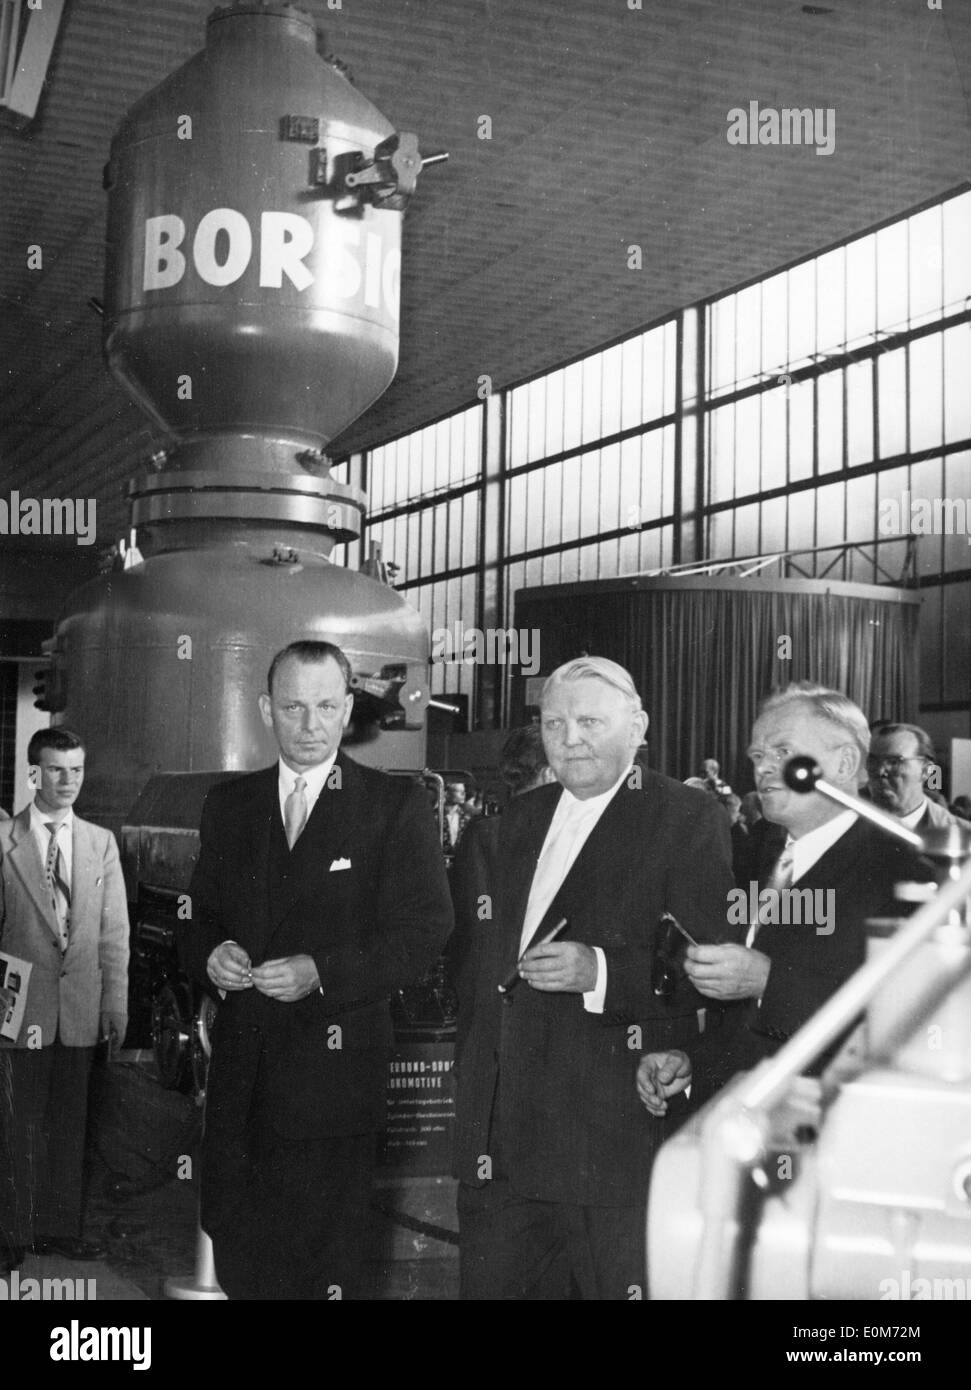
pixel 653 375
pixel 957 259
pixel 800 431
pixel 572 405
pixel 926 394
pixel 592 427
pixel 721 452
pixel 746 459
pixel 892 403
pixel 802 314
pixel 571 499
pixel 926 266
pixel 517 514
pixel 957 383
pixel 773 525
pixel 652 491
pixel 590 493
pixel 748 343
pixel 957 489
pixel 802 522
pixel 774 429
pixel 861 302
pixel 892 277
pixel 747 531
pixel 722 343
pixel 632 383
pixel 629 484
pixel 611 383
pixel 667 489
pixel 536 447
pixel 554 413
pixel 830 511
pixel 720 536
pixel 670 334
pixel 829 397
pixel 775 350
pixel 859 413
pixel 831 301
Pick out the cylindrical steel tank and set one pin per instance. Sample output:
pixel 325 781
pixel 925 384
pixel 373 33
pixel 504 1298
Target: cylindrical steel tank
pixel 244 293
pixel 255 201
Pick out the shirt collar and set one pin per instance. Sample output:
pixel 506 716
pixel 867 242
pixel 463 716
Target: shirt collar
pixel 913 818
pixel 572 805
pixel 315 777
pixel 812 846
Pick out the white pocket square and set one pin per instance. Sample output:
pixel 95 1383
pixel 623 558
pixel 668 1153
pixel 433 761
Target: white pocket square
pixel 339 864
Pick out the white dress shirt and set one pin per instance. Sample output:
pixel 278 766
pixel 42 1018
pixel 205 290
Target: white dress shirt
pixel 810 848
pixel 314 777
pixel 913 818
pixel 573 820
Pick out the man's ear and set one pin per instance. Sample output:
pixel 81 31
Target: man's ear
pixel 348 708
pixel 850 763
pixel 266 710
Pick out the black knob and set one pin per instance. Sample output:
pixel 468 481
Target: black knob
pixel 801 774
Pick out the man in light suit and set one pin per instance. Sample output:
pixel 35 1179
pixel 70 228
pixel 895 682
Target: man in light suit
pixel 62 909
pixel 320 890
pixel 553 1148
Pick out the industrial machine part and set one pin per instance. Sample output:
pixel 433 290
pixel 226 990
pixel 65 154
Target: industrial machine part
pixel 858 1185
pixel 255 202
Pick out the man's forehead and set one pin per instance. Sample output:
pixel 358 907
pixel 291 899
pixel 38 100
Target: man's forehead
pixel 902 743
pixel 792 721
pixel 56 757
pixel 305 677
pixel 588 691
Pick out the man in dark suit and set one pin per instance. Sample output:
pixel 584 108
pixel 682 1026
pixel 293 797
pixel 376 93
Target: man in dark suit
pixel 842 867
pixel 63 910
pixel 900 766
pixel 553 1148
pixel 320 889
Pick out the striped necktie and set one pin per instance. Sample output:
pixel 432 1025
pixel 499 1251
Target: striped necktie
pixel 57 878
pixel 295 811
pixel 779 880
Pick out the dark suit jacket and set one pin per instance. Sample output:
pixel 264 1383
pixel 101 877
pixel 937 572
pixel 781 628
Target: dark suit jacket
pixel 861 869
pixel 559 1081
pixel 371 926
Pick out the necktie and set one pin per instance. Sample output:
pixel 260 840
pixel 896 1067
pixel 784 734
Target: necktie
pixel 779 879
pixel 295 811
pixel 57 878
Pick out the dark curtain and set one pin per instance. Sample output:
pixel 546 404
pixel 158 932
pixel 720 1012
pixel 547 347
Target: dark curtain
pixel 703 656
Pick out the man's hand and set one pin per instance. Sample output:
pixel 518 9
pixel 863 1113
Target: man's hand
pixel 113 1028
pixel 660 1076
pixel 228 966
pixel 287 979
pixel 727 972
pixel 563 966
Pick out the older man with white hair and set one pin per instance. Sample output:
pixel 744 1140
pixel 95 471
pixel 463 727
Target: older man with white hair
pixel 842 868
pixel 553 1148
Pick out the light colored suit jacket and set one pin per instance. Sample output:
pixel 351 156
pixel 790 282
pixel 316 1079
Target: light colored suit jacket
pixel 67 993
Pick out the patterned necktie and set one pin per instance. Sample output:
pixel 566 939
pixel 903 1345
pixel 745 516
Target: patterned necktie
pixel 779 880
pixel 295 811
pixel 57 878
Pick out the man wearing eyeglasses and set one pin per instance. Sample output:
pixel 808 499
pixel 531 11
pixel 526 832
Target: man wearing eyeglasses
pixel 788 968
pixel 899 766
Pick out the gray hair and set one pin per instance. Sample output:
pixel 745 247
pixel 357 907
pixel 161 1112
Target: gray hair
pixel 599 668
pixel 832 705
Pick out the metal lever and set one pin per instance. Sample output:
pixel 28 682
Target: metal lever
pixel 389 178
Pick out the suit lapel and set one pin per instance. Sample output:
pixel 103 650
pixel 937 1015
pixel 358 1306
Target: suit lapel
pixel 84 864
pixel 25 860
